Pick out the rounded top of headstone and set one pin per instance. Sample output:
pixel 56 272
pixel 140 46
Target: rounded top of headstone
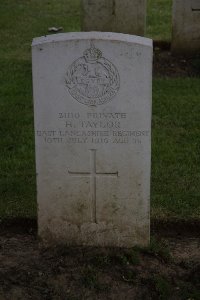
pixel 93 35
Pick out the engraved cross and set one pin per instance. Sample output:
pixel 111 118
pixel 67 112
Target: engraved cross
pixel 93 175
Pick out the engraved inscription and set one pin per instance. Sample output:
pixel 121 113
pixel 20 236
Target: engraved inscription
pixel 93 174
pixel 92 79
pixel 93 128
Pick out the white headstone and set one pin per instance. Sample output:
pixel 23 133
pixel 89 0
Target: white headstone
pixel 126 16
pixel 186 26
pixel 92 106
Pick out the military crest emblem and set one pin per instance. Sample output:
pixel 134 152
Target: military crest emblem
pixel 92 79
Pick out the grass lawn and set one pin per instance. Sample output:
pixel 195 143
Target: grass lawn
pixel 176 109
pixel 176 148
pixel 159 19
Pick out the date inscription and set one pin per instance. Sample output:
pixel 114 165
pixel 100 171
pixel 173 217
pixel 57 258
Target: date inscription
pixel 92 128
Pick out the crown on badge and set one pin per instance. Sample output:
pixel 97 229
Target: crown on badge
pixel 92 54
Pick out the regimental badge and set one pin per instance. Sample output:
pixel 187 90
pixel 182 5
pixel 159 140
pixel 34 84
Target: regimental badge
pixel 91 79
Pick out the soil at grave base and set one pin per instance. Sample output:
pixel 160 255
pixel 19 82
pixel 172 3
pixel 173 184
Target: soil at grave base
pixel 170 269
pixel 165 64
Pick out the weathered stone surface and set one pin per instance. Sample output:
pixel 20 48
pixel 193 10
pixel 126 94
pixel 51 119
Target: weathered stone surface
pixel 92 106
pixel 186 27
pixel 126 16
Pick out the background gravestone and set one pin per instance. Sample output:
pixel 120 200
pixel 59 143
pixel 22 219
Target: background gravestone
pixel 92 107
pixel 126 16
pixel 186 26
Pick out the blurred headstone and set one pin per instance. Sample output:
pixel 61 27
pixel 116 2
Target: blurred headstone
pixel 126 16
pixel 186 27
